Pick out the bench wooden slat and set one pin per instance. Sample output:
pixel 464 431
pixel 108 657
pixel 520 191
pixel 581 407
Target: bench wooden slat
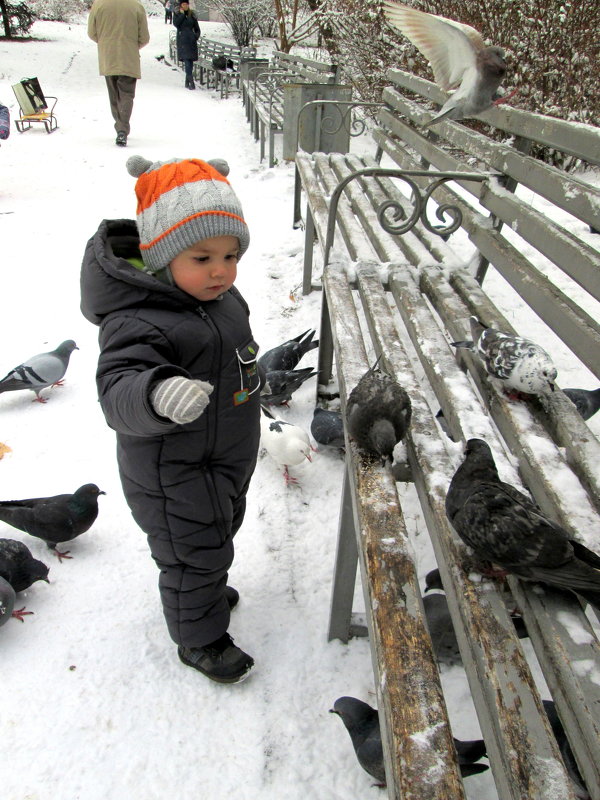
pixel 576 139
pixel 410 696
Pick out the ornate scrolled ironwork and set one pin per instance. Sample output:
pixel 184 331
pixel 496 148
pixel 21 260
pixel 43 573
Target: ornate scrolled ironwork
pixel 392 214
pixel 331 123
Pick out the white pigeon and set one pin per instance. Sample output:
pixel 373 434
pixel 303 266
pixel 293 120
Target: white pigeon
pixel 287 444
pixel 521 365
pixel 458 57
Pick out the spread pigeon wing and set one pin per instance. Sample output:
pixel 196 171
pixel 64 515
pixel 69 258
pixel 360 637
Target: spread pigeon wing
pixel 450 47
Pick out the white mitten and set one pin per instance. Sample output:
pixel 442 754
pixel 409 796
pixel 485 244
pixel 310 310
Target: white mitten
pixel 180 399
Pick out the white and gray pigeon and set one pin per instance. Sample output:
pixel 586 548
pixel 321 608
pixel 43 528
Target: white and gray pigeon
pixel 378 413
pixel 288 354
pixel 522 365
pixel 505 527
pixel 458 57
pixel 40 371
pixel 586 401
pixel 287 444
pixel 362 723
pixel 7 604
pixel 327 427
pixel 578 785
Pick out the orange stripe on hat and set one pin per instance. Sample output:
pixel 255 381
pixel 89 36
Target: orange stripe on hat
pixel 151 185
pixel 186 220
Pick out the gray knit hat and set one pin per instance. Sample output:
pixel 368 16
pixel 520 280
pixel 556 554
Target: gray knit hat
pixel 181 202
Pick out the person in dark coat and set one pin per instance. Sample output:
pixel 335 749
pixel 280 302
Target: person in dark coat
pixel 178 382
pixel 188 33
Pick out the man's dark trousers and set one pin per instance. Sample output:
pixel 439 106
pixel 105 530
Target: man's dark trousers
pixel 121 92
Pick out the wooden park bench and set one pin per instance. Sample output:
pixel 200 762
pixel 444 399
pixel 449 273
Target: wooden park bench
pixel 404 297
pixel 206 73
pixel 263 92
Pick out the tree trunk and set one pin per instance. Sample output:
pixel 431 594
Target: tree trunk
pixel 5 19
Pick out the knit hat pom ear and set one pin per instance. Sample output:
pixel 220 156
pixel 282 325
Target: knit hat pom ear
pixel 220 165
pixel 137 165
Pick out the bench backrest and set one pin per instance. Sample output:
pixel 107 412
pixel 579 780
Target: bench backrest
pixel 513 226
pixel 306 69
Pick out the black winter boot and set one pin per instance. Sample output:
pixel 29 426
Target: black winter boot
pixel 232 596
pixel 220 660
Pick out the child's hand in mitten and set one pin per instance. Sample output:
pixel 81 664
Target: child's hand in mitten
pixel 180 399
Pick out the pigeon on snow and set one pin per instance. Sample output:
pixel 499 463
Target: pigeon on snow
pixel 520 364
pixel 327 427
pixel 282 383
pixel 55 519
pixel 19 567
pixel 287 355
pixel 7 604
pixel 287 444
pixel 38 372
pixel 362 723
pixel 586 401
pixel 504 526
pixel 378 413
pixel 441 628
pixel 577 783
pixel 458 57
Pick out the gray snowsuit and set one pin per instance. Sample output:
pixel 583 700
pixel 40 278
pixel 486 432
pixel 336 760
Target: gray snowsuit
pixel 185 484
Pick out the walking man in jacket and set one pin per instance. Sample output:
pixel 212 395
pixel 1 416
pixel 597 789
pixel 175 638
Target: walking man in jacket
pixel 120 29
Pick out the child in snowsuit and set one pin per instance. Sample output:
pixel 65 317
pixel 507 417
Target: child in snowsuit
pixel 177 381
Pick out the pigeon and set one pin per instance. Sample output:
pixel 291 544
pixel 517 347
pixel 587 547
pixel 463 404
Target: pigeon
pixel 362 723
pixel 504 526
pixel 441 628
pixel 327 427
pixel 19 567
pixel 287 444
pixel 7 604
pixel 38 372
pixel 521 365
pixel 287 355
pixel 282 383
pixel 54 519
pixel 458 57
pixel 378 413
pixel 577 783
pixel 587 401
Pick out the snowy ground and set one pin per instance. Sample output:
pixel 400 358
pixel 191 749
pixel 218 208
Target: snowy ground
pixel 95 703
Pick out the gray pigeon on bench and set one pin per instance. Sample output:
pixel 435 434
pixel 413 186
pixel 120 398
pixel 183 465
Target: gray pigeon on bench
pixel 505 527
pixel 55 519
pixel 19 567
pixel 378 413
pixel 586 401
pixel 287 355
pixel 521 365
pixel 459 59
pixel 38 372
pixel 362 723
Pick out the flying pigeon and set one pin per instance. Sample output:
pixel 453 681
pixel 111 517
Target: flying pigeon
pixel 327 427
pixel 587 401
pixel 7 604
pixel 458 57
pixel 362 723
pixel 54 519
pixel 577 783
pixel 378 413
pixel 282 383
pixel 38 372
pixel 520 364
pixel 287 355
pixel 19 567
pixel 441 628
pixel 504 526
pixel 287 444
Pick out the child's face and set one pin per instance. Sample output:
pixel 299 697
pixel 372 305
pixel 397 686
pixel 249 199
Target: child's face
pixel 207 268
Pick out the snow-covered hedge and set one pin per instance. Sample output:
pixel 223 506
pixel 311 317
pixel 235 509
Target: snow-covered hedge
pixel 58 10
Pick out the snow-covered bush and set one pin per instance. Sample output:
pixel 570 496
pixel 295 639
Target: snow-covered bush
pixel 242 17
pixel 16 18
pixel 58 10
